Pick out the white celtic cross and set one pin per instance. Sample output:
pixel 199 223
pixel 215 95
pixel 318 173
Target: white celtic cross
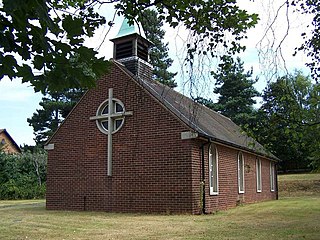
pixel 110 118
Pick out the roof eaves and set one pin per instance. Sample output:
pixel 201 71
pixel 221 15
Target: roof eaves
pixel 251 150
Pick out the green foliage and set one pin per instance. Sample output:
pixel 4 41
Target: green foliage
pixel 313 116
pixel 288 121
pixel 159 57
pixel 41 41
pixel 23 176
pixel 48 41
pixel 235 89
pixel 55 108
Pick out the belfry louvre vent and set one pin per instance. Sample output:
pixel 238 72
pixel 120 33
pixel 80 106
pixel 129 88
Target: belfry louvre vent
pixel 142 51
pixel 124 50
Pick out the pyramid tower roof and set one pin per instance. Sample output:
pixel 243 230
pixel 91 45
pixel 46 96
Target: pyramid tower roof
pixel 127 29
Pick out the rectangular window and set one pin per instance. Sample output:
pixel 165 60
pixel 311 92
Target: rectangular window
pixel 240 172
pixel 258 168
pixel 272 176
pixel 213 170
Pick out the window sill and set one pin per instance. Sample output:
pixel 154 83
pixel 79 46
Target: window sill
pixel 214 194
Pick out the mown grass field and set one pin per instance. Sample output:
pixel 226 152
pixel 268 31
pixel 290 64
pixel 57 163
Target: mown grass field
pixel 295 216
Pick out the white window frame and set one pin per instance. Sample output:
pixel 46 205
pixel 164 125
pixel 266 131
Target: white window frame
pixel 213 167
pixel 240 172
pixel 272 177
pixel 258 175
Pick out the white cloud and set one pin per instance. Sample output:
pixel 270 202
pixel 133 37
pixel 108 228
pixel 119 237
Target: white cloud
pixel 15 91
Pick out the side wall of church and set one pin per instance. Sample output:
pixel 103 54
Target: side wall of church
pixel 151 164
pixel 228 192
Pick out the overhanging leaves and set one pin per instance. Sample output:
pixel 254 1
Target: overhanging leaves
pixel 47 41
pixel 48 34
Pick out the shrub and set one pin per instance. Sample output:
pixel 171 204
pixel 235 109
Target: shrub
pixel 23 176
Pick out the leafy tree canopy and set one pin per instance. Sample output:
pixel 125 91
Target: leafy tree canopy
pixel 288 121
pixel 41 41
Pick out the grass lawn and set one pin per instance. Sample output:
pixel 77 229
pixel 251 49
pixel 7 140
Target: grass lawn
pixel 291 217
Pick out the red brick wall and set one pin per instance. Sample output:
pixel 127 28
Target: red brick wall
pixel 151 164
pixel 153 169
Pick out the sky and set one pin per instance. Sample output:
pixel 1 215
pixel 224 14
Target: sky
pixel 19 101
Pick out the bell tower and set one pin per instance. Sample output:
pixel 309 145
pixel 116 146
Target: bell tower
pixel 131 48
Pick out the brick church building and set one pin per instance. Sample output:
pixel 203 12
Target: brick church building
pixel 132 144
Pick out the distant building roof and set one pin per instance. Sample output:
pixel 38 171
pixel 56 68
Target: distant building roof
pixel 206 122
pixel 12 146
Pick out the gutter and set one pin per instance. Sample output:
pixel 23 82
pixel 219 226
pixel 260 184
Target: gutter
pixel 203 180
pixel 277 187
pixel 237 147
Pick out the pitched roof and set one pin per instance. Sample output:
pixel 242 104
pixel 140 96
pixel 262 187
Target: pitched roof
pixel 206 122
pixel 10 138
